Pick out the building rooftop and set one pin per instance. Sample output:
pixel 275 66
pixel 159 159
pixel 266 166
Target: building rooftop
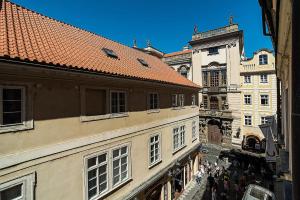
pixel 30 37
pixel 178 53
pixel 215 32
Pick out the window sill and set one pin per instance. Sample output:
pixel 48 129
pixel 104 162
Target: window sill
pixel 211 54
pixel 194 139
pixel 194 106
pixel 103 195
pixel 248 125
pixel 15 128
pixel 153 111
pixel 154 164
pixel 102 117
pixel 178 149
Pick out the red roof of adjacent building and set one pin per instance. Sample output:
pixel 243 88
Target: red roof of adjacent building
pixel 31 37
pixel 178 53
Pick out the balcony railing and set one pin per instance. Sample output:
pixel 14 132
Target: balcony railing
pixel 216 113
pixel 215 32
pixel 218 89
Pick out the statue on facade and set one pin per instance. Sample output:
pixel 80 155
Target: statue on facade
pixel 148 43
pixel 195 29
pixel 231 20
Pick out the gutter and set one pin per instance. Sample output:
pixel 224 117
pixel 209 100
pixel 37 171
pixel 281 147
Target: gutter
pixel 78 70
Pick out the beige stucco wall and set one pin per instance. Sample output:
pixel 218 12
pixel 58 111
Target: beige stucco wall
pixel 55 148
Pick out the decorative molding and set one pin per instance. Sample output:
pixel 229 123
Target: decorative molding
pixel 33 154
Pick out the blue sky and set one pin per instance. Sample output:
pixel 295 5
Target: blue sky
pixel 168 24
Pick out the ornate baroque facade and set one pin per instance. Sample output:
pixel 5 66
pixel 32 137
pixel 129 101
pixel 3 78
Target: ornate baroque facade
pixel 213 62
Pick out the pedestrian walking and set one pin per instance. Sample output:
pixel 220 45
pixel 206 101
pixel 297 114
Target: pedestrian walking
pixel 210 180
pixel 214 193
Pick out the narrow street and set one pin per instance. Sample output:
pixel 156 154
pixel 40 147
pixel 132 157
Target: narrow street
pixel 241 171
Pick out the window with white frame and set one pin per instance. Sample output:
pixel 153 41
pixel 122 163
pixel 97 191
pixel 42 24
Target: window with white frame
pixel 247 79
pixel 154 150
pixel 97 175
pixel 18 189
pixel 263 59
pixel 264 120
pixel 118 102
pixel 247 99
pixel 105 171
pixel 248 120
pixel 264 78
pixel 12 105
pixel 178 137
pixel 194 136
pixel 193 100
pixel 182 136
pixel 181 100
pixel 120 165
pixel 175 138
pixel 174 100
pixel 153 101
pixel 264 100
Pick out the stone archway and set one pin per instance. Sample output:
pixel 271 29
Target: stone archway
pixel 214 133
pixel 253 143
pixel 155 193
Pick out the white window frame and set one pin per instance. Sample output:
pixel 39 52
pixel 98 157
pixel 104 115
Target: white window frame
pixel 178 135
pixel 174 97
pixel 264 78
pixel 151 164
pixel 193 99
pixel 110 185
pixel 97 177
pixel 261 97
pixel 25 124
pixel 149 101
pixel 264 120
pixel 28 185
pixel 110 102
pixel 263 61
pixel 181 100
pixel 247 120
pixel 194 130
pixel 23 103
pixel 120 182
pixel 247 79
pixel 247 97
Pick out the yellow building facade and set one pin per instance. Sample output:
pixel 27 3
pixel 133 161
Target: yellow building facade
pixel 258 98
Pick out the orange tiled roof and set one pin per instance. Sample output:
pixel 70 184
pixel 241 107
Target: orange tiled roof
pixel 31 37
pixel 178 53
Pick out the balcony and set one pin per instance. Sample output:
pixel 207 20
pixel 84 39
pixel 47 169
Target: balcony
pixel 214 89
pixel 215 113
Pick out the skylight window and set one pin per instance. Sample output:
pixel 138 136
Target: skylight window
pixel 144 63
pixel 110 53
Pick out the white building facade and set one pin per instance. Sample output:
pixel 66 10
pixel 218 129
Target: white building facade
pixel 215 66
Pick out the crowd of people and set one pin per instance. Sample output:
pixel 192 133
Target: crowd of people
pixel 228 183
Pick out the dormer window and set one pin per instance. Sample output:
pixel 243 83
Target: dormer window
pixel 143 62
pixel 110 53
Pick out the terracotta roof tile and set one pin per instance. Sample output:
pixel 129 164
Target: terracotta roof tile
pixel 178 53
pixel 30 36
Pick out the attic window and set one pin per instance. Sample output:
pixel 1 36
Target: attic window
pixel 110 53
pixel 144 63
